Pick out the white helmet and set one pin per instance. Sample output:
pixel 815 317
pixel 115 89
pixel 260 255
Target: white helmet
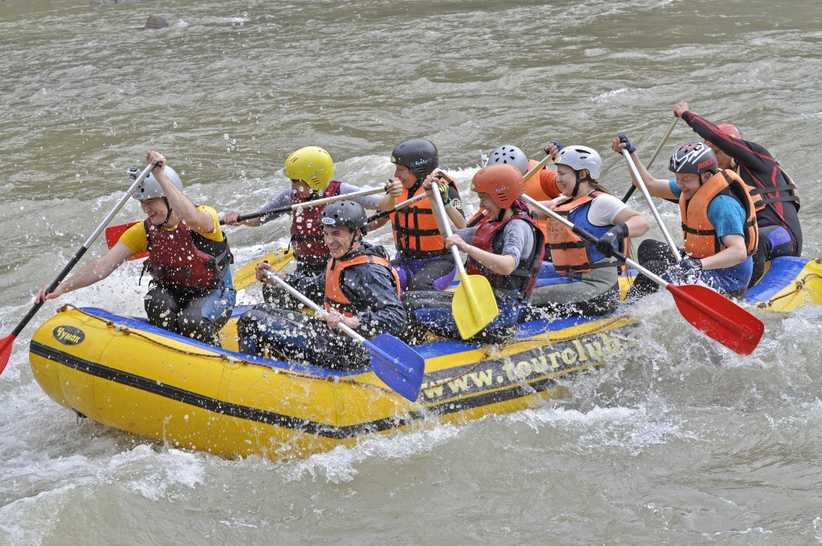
pixel 581 157
pixel 150 188
pixel 510 155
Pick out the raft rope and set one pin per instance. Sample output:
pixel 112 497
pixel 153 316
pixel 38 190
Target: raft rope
pixel 799 286
pixel 118 328
pixel 489 351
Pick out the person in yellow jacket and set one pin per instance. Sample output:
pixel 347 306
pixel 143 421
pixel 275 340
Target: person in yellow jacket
pixel 191 292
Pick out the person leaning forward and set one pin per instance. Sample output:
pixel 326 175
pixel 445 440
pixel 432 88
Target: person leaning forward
pixel 718 223
pixel 774 193
pixel 191 292
pixel 311 171
pixel 360 289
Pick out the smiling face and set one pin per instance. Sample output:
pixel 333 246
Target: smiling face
pixel 689 183
pixel 566 180
pixel 492 208
pixel 338 239
pixel 155 209
pixel 404 175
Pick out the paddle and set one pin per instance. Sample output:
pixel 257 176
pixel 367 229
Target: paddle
pixel 247 274
pixel 445 281
pixel 265 216
pixel 630 191
pixel 474 305
pixel 395 363
pixel 650 201
pixel 707 310
pixel 6 343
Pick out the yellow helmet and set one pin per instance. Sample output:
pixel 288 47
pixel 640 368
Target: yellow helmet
pixel 312 165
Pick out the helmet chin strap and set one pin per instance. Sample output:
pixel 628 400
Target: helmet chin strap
pixel 579 181
pixel 168 214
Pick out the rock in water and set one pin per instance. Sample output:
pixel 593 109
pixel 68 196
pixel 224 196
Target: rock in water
pixel 155 21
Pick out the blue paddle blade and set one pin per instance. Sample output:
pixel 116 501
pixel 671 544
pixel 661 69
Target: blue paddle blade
pixel 397 365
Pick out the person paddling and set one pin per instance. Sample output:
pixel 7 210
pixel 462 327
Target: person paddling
pixel 507 249
pixel 718 223
pixel 191 291
pixel 421 257
pixel 311 171
pixel 359 290
pixel 774 193
pixel 581 278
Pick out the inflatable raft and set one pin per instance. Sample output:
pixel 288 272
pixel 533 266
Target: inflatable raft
pixel 126 374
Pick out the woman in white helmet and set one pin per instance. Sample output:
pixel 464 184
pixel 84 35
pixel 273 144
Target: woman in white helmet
pixel 191 292
pixel 311 171
pixel 583 278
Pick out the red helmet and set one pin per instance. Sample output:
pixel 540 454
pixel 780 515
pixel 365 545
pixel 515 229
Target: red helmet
pixel 730 130
pixel 502 181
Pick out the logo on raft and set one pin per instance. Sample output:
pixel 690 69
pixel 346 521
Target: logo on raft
pixel 68 335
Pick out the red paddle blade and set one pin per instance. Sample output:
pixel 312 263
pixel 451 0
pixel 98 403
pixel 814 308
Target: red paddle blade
pixel 5 351
pixel 717 316
pixel 113 234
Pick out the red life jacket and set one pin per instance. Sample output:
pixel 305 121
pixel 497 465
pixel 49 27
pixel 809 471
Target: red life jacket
pixel 699 233
pixel 183 258
pixel 521 282
pixel 307 229
pixel 334 296
pixel 415 230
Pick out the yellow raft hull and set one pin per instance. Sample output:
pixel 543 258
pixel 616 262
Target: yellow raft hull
pixel 126 374
pixel 123 373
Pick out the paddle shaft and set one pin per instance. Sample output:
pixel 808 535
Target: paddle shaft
pixel 680 293
pixel 439 210
pixel 398 206
pixel 650 200
pixel 630 191
pixel 70 265
pixel 314 203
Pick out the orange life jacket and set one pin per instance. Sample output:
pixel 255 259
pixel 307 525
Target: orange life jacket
pixel 334 296
pixel 415 230
pixel 570 253
pixel 700 236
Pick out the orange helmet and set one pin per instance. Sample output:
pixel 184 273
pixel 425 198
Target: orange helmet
pixel 730 130
pixel 502 181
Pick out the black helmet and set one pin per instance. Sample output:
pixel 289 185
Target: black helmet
pixel 418 154
pixel 344 213
pixel 695 158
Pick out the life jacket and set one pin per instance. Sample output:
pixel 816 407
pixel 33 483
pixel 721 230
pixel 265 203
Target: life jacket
pixel 307 229
pixel 415 230
pixel 335 298
pixel 570 253
pixel 521 282
pixel 183 258
pixel 700 236
pixel 785 191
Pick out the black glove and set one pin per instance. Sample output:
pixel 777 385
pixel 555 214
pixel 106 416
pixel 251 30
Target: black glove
pixel 689 266
pixel 611 238
pixel 555 143
pixel 628 146
pixel 444 190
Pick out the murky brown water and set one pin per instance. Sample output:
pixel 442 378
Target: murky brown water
pixel 681 442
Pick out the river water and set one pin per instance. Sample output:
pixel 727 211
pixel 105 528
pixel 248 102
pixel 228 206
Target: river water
pixel 678 442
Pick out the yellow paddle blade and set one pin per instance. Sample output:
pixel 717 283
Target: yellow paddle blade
pixel 474 305
pixel 246 276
